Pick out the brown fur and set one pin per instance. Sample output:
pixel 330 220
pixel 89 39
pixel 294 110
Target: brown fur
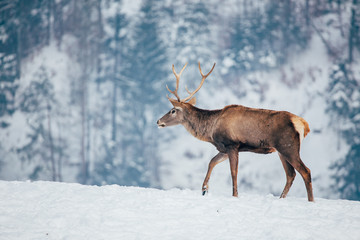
pixel 236 128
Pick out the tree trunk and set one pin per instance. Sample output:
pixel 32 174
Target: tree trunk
pixel 19 46
pixel 352 31
pixel 308 19
pixel 115 78
pixel 51 145
pixel 83 128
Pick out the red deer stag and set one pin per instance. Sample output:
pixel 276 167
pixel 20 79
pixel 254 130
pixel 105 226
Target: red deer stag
pixel 237 128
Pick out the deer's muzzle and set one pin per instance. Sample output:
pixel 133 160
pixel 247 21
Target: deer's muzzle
pixel 161 124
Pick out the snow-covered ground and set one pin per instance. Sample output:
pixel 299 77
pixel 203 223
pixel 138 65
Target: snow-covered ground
pixel 48 210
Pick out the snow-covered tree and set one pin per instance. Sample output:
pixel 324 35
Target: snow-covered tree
pixel 9 58
pixel 140 96
pixel 344 107
pixel 347 175
pixel 110 72
pixel 43 149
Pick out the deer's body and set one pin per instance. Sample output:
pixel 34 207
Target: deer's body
pixel 236 128
pixel 248 129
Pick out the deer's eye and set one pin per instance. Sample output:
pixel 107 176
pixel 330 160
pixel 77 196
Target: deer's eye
pixel 172 111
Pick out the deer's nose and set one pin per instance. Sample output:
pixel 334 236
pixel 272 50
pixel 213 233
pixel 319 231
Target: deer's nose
pixel 160 124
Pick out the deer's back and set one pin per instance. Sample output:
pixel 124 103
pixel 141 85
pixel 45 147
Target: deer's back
pixel 251 127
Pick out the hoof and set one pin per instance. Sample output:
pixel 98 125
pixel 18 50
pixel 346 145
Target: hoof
pixel 204 189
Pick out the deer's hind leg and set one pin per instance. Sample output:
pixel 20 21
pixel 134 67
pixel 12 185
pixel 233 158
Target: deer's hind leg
pixel 306 175
pixel 290 175
pixel 292 156
pixel 220 157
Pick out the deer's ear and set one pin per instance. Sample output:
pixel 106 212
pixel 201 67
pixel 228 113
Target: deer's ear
pixel 192 101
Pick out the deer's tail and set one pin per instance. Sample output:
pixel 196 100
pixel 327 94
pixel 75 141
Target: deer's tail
pixel 301 126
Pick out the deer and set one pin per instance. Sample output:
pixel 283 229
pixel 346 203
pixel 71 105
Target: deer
pixel 237 128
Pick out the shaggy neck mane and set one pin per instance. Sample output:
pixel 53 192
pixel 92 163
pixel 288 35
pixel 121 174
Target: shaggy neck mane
pixel 200 124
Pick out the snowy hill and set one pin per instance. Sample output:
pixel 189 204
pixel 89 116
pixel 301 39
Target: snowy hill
pixel 48 210
pixel 82 84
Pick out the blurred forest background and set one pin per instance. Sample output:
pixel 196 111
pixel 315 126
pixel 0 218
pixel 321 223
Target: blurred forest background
pixel 82 83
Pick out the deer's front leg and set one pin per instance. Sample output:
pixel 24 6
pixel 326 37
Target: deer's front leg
pixel 220 157
pixel 234 162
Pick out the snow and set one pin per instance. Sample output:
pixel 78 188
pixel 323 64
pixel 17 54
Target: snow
pixel 131 7
pixel 49 210
pixel 299 86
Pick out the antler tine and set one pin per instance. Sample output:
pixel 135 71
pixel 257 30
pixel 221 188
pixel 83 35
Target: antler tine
pixel 173 92
pixel 205 76
pixel 202 82
pixel 177 76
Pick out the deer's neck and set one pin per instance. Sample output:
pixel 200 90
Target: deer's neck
pixel 200 123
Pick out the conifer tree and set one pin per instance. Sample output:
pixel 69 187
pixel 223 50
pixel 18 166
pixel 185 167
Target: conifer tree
pixel 43 150
pixel 139 142
pixel 9 59
pixel 344 107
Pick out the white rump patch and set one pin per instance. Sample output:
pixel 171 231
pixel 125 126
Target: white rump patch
pixel 299 127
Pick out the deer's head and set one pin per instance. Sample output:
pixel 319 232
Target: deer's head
pixel 181 107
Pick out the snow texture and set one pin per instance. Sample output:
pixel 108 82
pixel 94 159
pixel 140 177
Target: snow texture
pixel 49 210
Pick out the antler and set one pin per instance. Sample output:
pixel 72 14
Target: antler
pixel 177 76
pixel 202 82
